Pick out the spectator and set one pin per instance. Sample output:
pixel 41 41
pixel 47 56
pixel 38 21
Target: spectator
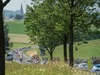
pixel 42 61
pixel 21 57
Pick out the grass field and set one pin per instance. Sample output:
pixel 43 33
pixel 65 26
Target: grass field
pixel 13 68
pixel 19 38
pixel 84 50
pixel 20 45
pixel 16 27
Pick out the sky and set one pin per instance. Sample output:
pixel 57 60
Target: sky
pixel 16 4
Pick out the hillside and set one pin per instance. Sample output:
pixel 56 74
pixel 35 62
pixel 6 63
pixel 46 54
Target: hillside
pixel 17 34
pixel 16 27
pixel 13 68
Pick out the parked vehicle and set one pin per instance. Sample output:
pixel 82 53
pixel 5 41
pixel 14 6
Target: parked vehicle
pixel 83 66
pixel 96 69
pixel 76 65
pixel 9 56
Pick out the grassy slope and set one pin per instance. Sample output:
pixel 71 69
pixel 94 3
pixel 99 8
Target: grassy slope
pixel 20 45
pixel 88 50
pixel 16 27
pixel 84 50
pixel 13 68
pixel 17 33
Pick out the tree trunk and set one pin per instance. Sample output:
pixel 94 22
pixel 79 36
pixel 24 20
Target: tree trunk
pixel 2 38
pixel 71 60
pixel 2 44
pixel 65 47
pixel 51 55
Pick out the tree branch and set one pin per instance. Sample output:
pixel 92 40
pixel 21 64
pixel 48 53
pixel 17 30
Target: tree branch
pixel 46 48
pixel 53 49
pixel 5 3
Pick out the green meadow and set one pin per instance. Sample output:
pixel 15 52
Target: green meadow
pixel 84 50
pixel 16 27
pixel 20 45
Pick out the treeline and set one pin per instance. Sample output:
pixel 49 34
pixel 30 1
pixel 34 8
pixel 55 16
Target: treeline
pixel 50 23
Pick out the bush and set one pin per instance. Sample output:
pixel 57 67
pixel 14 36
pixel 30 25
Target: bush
pixel 18 17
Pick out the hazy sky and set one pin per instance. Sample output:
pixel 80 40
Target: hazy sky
pixel 16 4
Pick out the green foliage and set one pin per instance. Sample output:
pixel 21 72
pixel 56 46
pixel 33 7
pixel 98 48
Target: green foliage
pixel 11 45
pixel 42 27
pixel 8 44
pixel 18 17
pixel 20 45
pixel 6 31
pixel 11 16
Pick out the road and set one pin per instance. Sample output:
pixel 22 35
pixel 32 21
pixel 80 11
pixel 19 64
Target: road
pixel 16 57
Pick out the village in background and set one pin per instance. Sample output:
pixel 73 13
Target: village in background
pixel 14 15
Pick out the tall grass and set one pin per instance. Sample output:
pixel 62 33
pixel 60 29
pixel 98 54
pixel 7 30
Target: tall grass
pixel 13 68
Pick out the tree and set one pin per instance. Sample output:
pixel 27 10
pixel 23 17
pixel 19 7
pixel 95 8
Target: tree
pixel 49 42
pixel 95 28
pixel 2 38
pixel 42 27
pixel 75 9
pixel 8 44
pixel 66 16
pixel 18 17
pixel 11 16
pixel 59 20
pixel 61 23
pixel 6 31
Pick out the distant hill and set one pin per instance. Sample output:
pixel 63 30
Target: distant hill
pixel 7 13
